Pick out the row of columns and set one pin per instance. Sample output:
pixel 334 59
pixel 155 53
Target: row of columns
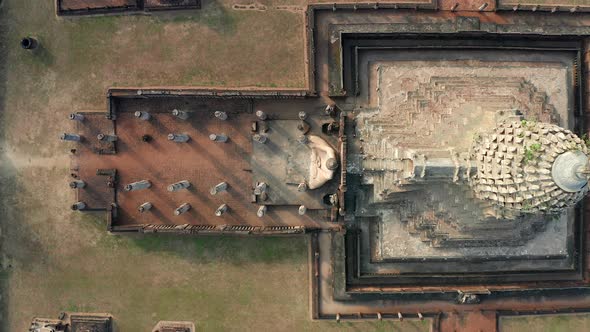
pixel 182 115
pixel 70 136
pixel 78 184
pixel 302 139
pixel 177 186
pixel 261 188
pixel 303 125
pixel 182 208
pixel 259 138
pixel 261 191
pixel 262 209
pixel 145 116
pixel 142 115
pixel 178 138
pixel 78 138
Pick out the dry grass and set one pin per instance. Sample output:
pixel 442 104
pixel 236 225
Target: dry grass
pixel 549 323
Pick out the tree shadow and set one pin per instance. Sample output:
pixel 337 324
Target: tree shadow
pixel 19 243
pixel 204 249
pixel 233 249
pixel 43 55
pixel 5 189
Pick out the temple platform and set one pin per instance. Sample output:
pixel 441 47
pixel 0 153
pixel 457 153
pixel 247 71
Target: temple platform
pixel 108 166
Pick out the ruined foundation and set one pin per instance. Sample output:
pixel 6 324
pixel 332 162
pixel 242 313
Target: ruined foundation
pixel 101 7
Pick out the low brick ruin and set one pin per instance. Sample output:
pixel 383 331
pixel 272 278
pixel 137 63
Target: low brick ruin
pixel 74 322
pixel 96 7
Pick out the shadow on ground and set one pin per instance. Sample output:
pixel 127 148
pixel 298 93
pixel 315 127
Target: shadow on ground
pixel 234 250
pixel 5 188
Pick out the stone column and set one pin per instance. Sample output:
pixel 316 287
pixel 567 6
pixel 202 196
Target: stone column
pixel 302 210
pixel 330 110
pixel 70 137
pixel 144 207
pixel 221 138
pixel 184 184
pixel 260 188
pixel 261 211
pixel 221 115
pixel 139 185
pixel 260 138
pixel 76 117
pixel 261 115
pixel 178 138
pixel 180 114
pixel 219 188
pixel 303 139
pixel 184 207
pixel 221 210
pixel 106 137
pixel 77 184
pixel 302 187
pixel 78 206
pixel 143 115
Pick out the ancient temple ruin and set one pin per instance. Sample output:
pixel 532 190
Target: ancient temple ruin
pixel 436 161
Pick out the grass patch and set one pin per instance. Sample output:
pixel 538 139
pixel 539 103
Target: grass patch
pixel 531 152
pixel 235 250
pixel 546 323
pixel 586 140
